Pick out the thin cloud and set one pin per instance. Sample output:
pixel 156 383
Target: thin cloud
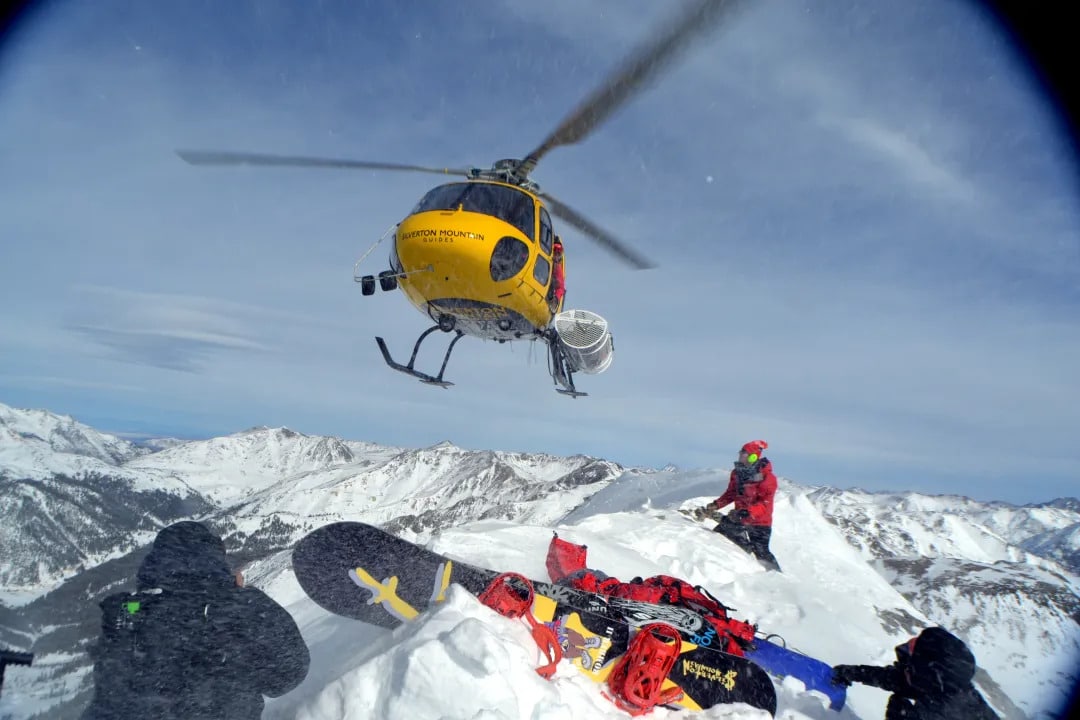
pixel 66 382
pixel 169 331
pixel 912 162
pixel 184 351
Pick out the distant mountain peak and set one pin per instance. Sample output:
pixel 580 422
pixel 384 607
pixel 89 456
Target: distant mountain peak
pixel 1062 503
pixel 23 432
pixel 253 430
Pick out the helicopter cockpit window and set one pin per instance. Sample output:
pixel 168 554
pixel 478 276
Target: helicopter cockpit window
pixel 506 203
pixel 545 231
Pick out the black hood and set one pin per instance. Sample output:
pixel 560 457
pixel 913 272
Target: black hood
pixel 941 663
pixel 185 554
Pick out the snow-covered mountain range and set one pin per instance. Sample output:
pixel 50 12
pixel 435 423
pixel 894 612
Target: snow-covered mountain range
pixel 77 507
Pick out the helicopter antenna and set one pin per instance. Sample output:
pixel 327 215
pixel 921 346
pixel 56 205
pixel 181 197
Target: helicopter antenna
pixel 631 77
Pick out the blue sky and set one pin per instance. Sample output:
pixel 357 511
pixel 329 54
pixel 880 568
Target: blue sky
pixel 865 218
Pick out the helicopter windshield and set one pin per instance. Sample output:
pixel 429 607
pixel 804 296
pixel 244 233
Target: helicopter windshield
pixel 504 202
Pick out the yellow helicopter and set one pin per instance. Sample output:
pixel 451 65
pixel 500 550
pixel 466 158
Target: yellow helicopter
pixel 478 256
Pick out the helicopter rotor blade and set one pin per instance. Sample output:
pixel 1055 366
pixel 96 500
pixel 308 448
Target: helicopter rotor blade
pixel 597 233
pixel 632 76
pixel 214 157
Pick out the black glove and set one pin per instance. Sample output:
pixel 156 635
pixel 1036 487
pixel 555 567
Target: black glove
pixel 739 515
pixel 704 511
pixel 843 675
pixel 899 708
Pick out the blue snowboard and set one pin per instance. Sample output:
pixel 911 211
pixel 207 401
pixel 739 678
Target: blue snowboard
pixel 784 662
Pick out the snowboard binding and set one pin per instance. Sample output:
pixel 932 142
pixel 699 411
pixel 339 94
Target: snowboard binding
pixel 511 595
pixel 637 680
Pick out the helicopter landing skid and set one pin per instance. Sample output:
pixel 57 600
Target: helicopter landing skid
pixel 410 370
pixel 559 366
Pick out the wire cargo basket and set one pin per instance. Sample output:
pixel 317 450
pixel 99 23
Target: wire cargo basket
pixel 586 340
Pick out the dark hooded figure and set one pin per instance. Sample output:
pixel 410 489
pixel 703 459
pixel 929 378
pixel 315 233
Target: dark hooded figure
pixel 930 680
pixel 191 642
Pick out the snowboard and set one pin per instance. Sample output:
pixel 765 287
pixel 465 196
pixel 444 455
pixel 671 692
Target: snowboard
pixel 781 661
pixel 359 571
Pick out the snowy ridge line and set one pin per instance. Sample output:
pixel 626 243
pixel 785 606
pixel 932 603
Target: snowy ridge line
pixel 847 554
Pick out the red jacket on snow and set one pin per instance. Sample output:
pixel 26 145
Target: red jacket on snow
pixel 751 488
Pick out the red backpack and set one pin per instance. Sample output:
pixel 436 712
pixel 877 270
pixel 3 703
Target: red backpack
pixel 734 635
pixel 566 562
pixel 564 558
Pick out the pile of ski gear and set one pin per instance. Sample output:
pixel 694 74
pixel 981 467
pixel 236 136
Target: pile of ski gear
pixel 566 564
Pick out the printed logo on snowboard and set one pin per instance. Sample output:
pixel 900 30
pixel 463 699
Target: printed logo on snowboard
pixel 727 678
pixel 385 593
pixel 586 648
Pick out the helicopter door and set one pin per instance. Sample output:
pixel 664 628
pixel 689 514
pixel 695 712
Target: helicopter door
pixel 546 232
pixel 542 268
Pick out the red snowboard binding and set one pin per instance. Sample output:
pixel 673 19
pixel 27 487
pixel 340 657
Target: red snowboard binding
pixel 637 678
pixel 511 595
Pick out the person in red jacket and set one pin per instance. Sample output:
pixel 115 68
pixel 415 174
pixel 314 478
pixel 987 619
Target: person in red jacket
pixel 751 487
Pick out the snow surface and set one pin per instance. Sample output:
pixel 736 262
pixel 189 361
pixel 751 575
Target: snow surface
pixel 849 560
pixel 461 660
